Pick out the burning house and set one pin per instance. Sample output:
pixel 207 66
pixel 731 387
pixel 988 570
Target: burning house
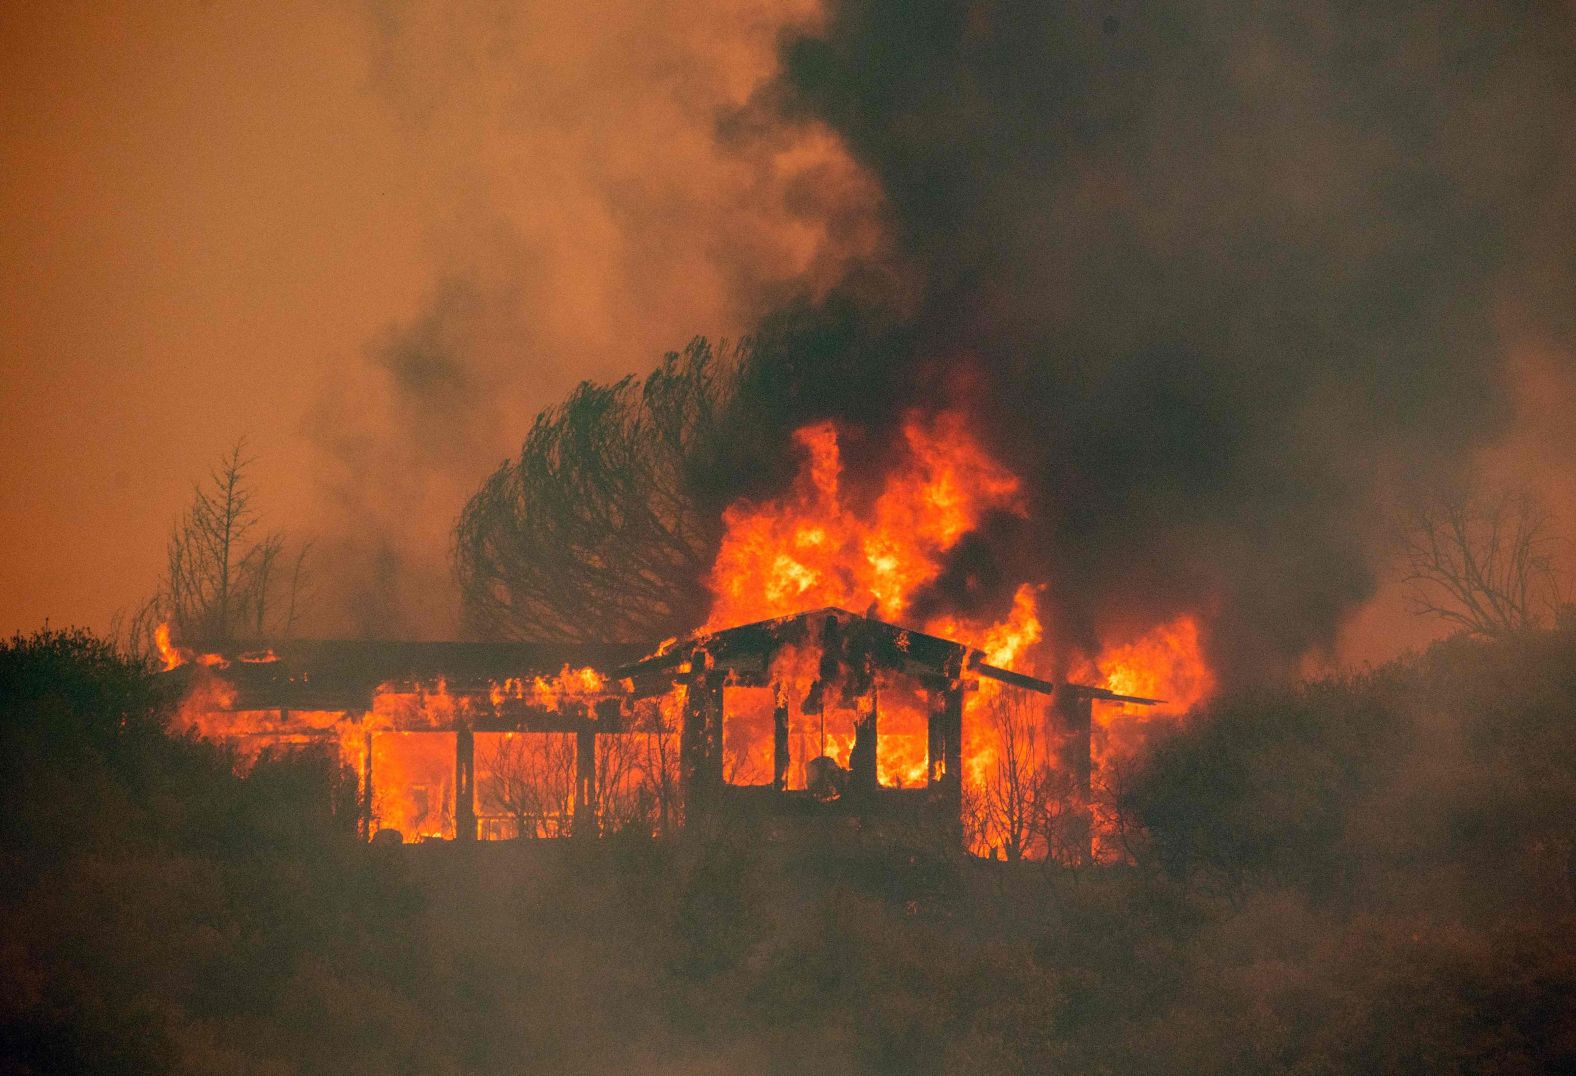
pixel 767 711
pixel 819 720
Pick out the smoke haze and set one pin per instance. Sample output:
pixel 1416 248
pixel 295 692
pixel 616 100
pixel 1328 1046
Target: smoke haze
pixel 1224 287
pixel 375 237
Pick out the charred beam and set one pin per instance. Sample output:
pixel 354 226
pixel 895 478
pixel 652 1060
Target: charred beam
pixel 780 740
pixel 367 817
pixel 862 774
pixel 1076 713
pixel 585 821
pixel 464 784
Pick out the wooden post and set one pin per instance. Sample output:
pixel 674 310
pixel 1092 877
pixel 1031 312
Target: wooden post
pixel 862 773
pixel 1076 711
pixel 935 738
pixel 585 778
pixel 952 739
pixel 464 784
pixel 780 740
pixel 367 817
pixel 947 728
pixel 700 747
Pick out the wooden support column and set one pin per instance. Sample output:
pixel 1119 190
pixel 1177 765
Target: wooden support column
pixel 367 818
pixel 464 784
pixel 780 739
pixel 1075 709
pixel 585 779
pixel 700 747
pixel 935 738
pixel 862 773
pixel 947 729
pixel 952 738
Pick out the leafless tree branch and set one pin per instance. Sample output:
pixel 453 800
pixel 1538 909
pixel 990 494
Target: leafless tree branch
pixel 1484 564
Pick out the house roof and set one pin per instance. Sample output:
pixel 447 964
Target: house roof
pixel 853 637
pixel 343 674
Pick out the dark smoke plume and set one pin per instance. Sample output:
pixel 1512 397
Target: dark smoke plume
pixel 1220 283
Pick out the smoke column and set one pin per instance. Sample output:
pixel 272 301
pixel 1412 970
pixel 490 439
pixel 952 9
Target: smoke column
pixel 1224 286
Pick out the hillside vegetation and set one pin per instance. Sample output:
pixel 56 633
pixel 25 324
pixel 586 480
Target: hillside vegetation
pixel 1369 874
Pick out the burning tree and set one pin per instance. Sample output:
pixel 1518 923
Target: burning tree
pixel 592 533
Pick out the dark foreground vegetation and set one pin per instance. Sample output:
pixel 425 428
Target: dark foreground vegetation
pixel 1364 875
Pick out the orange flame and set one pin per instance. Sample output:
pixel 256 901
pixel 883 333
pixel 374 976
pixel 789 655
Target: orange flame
pixel 550 693
pixel 172 656
pixel 1166 663
pixel 810 549
pixel 813 548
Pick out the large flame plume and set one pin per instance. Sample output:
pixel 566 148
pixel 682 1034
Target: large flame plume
pixel 813 547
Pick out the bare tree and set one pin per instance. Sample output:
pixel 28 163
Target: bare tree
pixel 592 532
pixel 658 764
pixel 619 803
pixel 219 585
pixel 1011 802
pixel 531 781
pixel 1060 824
pixel 1485 564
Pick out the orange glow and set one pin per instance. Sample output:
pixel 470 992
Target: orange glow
pixel 207 709
pixel 747 734
pixel 525 784
pixel 811 549
pixel 413 781
pixel 169 653
pixel 904 724
pixel 1166 663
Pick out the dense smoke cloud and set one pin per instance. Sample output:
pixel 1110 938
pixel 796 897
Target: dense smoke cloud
pixel 397 440
pixel 1222 285
pixel 591 217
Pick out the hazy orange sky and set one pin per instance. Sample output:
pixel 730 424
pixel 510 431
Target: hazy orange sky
pixel 220 219
pixel 214 216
